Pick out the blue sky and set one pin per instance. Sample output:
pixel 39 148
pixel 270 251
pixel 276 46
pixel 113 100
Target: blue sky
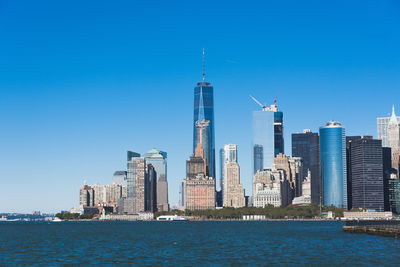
pixel 82 82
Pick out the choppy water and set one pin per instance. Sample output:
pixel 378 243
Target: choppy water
pixel 192 243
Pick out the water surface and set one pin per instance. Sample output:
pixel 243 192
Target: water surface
pixel 192 243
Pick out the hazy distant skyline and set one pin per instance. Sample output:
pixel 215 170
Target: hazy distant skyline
pixel 83 82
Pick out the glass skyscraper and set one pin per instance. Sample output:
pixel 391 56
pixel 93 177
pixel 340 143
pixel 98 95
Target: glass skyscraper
pixel 204 111
pixel 333 164
pixel 159 160
pixel 263 139
pixel 278 133
pixel 306 146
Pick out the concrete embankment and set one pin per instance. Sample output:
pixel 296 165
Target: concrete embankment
pixel 382 230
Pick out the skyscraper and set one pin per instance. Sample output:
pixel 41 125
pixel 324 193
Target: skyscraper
pixel 366 173
pixel 141 185
pixel 263 139
pixel 349 143
pixel 333 163
pixel 279 144
pixel 382 127
pixel 306 146
pixel 198 188
pixel 158 159
pixel 204 111
pixel 393 139
pixel 267 135
pixel 227 154
pixel 233 191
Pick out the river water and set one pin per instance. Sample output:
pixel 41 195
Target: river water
pixel 212 243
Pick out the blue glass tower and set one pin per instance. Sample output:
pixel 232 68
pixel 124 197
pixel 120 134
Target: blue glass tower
pixel 263 139
pixel 204 111
pixel 333 164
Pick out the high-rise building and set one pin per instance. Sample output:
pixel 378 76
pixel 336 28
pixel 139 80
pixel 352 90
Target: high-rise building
pixel 233 191
pixel 263 149
pixel 151 188
pixel 393 139
pixel 204 112
pixel 136 182
pixel 198 188
pixel 366 173
pixel 293 168
pixel 349 142
pixel 387 172
pixel 100 195
pixel 306 146
pixel 394 194
pixel 86 196
pixel 227 154
pixel 279 144
pixel 158 159
pixel 332 140
pixel 267 135
pixel 382 127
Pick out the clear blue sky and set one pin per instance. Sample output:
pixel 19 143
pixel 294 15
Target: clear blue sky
pixel 82 82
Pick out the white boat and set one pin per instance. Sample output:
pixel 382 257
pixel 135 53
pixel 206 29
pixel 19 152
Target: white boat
pixel 171 218
pixel 56 219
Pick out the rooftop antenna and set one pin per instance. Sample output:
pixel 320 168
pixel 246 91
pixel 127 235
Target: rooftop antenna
pixel 203 67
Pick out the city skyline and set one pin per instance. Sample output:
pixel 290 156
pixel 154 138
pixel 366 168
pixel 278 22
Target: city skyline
pixel 70 112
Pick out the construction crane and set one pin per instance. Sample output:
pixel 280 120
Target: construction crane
pixel 264 107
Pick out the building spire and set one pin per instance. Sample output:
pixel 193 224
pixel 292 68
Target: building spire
pixel 203 67
pixel 393 118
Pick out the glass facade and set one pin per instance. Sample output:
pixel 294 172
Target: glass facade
pixel 158 159
pixel 333 164
pixel 278 133
pixel 263 139
pixel 204 111
pixel 306 146
pixel 366 174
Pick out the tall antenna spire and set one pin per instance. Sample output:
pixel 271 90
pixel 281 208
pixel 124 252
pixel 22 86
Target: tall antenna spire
pixel 203 67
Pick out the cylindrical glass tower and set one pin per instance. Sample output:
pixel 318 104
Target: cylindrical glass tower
pixel 333 164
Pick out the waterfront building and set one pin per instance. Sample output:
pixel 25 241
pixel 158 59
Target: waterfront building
pixel 202 130
pixel 366 173
pixel 394 194
pixel 227 154
pixel 158 159
pixel 199 192
pixel 204 111
pixel 393 139
pixel 333 164
pixel 233 191
pixel 382 127
pixel 86 196
pixel 270 187
pixel 306 146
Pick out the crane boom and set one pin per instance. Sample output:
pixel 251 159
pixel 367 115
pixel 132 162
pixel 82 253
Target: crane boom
pixel 258 102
